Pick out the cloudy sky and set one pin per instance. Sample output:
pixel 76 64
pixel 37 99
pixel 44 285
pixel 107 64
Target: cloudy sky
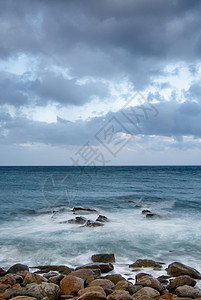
pixel 91 82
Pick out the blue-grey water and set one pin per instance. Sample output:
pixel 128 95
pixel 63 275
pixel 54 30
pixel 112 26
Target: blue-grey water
pixel 31 232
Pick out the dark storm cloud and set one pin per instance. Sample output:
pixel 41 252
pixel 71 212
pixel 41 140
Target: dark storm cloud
pixel 173 120
pixel 103 38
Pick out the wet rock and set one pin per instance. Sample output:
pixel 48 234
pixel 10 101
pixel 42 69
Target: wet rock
pixel 126 286
pixel 82 273
pixel 188 291
pixel 181 280
pixel 114 278
pixel 17 268
pixel 104 267
pixel 151 282
pixel 167 296
pixel 146 263
pixel 59 268
pixel 8 279
pixel 23 298
pixel 14 292
pixel 44 289
pixel 141 275
pixel 102 218
pixel 92 296
pixel 98 289
pixel 50 274
pixel 104 283
pixel 77 220
pixel 153 215
pixel 146 211
pixel 84 211
pixel 70 285
pixel 147 291
pixel 91 223
pixel 32 277
pixel 2 272
pixel 56 279
pixel 120 295
pixel 176 269
pixel 105 258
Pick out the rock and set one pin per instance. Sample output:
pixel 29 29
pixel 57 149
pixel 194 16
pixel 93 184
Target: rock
pixel 141 297
pixel 83 211
pixel 50 274
pixel 8 279
pixel 59 268
pixel 17 268
pixel 77 220
pixel 33 277
pixel 114 278
pixel 151 282
pixel 167 296
pixel 92 296
pixel 4 287
pixel 56 279
pixel 104 267
pixel 188 291
pixel 44 289
pixel 141 275
pixel 163 278
pixel 102 218
pixel 104 283
pixel 120 295
pixel 70 285
pixel 147 291
pixel 126 286
pixel 98 289
pixel 91 223
pixel 105 258
pixel 146 263
pixel 146 211
pixel 13 292
pixel 176 269
pixel 152 215
pixel 82 273
pixel 181 280
pixel 23 298
pixel 2 272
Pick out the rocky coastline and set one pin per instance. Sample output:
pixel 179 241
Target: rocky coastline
pixel 98 280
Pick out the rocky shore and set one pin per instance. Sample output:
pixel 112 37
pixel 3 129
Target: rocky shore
pixel 98 281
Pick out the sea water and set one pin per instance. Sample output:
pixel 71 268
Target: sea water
pixel 34 201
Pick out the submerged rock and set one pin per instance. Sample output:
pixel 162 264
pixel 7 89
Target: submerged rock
pixel 83 211
pixel 146 263
pixel 102 218
pixel 153 215
pixel 91 223
pixel 146 211
pixel 17 268
pixel 105 258
pixel 176 269
pixel 77 220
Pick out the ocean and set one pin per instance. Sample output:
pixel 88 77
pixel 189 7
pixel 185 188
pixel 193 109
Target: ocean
pixel 34 201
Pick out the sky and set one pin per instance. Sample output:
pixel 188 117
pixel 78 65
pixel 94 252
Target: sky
pixel 88 82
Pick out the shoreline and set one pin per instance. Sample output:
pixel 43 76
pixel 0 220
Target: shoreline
pixel 99 280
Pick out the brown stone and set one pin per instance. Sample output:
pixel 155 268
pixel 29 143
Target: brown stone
pixel 23 298
pixel 98 289
pixel 16 286
pixel 105 258
pixel 59 268
pixel 82 273
pixel 176 269
pixel 114 278
pixel 151 282
pixel 8 279
pixel 181 280
pixel 147 291
pixel 56 279
pixel 92 296
pixel 141 275
pixel 120 295
pixel 70 285
pixel 104 283
pixel 126 286
pixel 104 267
pixel 168 296
pixel 146 263
pixel 2 272
pixel 188 291
pixel 4 287
pixel 33 277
